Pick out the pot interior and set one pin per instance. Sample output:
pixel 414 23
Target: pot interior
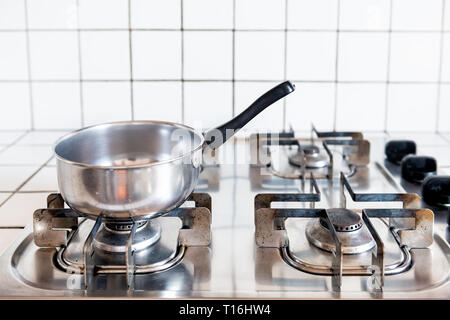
pixel 128 143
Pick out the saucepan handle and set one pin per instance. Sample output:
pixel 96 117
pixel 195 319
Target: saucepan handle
pixel 227 130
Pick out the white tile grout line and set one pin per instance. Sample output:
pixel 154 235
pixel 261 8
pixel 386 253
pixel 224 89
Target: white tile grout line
pixel 182 60
pixel 441 55
pixel 336 67
pixel 29 80
pixel 286 3
pixel 388 69
pixel 80 67
pixel 130 50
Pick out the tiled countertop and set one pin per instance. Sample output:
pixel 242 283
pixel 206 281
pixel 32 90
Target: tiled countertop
pixel 28 172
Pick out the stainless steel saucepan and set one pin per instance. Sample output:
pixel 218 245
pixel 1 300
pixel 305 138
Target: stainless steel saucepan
pixel 137 170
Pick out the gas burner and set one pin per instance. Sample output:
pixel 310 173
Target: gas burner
pixel 352 233
pixel 114 237
pixel 310 156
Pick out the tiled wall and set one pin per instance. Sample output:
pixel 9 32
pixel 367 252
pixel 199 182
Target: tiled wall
pixel 358 64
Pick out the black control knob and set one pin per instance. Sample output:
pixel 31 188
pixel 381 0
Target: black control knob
pixel 417 168
pixel 396 150
pixel 436 190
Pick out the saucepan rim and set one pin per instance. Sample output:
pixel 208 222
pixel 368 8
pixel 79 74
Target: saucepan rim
pixel 129 122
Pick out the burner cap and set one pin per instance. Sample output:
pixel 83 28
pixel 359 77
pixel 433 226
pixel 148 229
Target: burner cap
pixel 417 168
pixel 396 150
pixel 310 149
pixel 343 220
pixel 436 190
pixel 310 157
pixel 352 233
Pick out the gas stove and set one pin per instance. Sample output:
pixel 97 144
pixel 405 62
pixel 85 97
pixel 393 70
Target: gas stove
pixel 279 215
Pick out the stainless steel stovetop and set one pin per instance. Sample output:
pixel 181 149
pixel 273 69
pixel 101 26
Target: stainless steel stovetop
pixel 253 229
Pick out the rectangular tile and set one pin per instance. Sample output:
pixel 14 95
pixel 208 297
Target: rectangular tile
pixel 12 14
pixel 54 55
pixel 157 101
pixel 253 51
pixel 56 105
pixel 105 55
pixel 364 14
pixel 208 14
pixel 25 155
pixel 360 106
pixel 18 210
pixel 103 14
pixel 416 14
pixel 52 14
pixel 15 97
pixel 13 56
pixel 311 103
pixel 411 107
pixel 8 137
pixel 106 102
pixel 156 54
pixel 208 55
pixel 313 14
pixel 12 177
pixel 260 14
pixel 422 139
pixel 311 55
pixel 45 180
pixel 155 14
pixel 444 109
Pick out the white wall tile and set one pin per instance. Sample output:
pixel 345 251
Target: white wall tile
pixel 54 55
pixel 411 107
pixel 207 105
pixel 364 14
pixel 444 109
pixel 108 14
pixel 414 56
pixel 56 105
pixel 208 14
pixel 157 101
pixel 360 106
pixel 156 54
pixel 259 55
pixel 311 103
pixel 271 118
pixel 52 14
pixel 311 55
pixel 13 56
pixel 445 68
pixel 260 14
pixel 447 15
pixel 12 14
pixel 105 55
pixel 208 55
pixel 106 102
pixel 15 100
pixel 416 14
pixel 312 14
pixel 156 14
pixel 362 57
pixel 13 177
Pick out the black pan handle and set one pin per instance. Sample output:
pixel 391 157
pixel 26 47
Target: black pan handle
pixel 227 130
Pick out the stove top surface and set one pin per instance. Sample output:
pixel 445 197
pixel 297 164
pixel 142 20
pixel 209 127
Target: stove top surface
pixel 236 265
